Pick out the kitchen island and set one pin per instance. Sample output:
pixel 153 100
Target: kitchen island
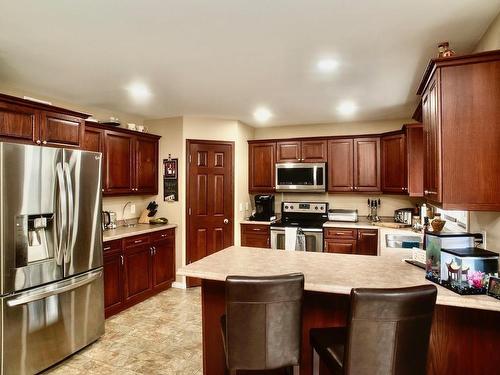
pixel 464 332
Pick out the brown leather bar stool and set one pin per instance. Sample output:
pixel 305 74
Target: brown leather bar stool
pixel 261 329
pixel 387 333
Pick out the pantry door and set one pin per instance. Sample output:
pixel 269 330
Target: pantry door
pixel 210 199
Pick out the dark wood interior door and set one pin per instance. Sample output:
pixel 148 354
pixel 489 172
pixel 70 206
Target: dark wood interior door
pixel 340 165
pixel 210 199
pixel 367 164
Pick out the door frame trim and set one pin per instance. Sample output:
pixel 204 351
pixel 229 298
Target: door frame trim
pixel 188 199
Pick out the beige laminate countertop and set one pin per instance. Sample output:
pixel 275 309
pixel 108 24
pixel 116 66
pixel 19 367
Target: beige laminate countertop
pixel 326 272
pixel 122 232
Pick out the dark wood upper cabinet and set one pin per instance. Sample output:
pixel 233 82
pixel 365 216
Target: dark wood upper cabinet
pixel 367 164
pixel 393 161
pixel 61 130
pixel 261 169
pixel 119 162
pixel 19 123
pixel 46 125
pixel 288 151
pixel 314 151
pixel 93 138
pixel 340 165
pixel 301 151
pixel 415 159
pixel 461 112
pixel 146 165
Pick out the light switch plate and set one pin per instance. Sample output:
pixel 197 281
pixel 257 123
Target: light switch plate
pixel 241 207
pixel 132 208
pixel 247 206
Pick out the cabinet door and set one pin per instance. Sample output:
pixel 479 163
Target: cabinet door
pixel 261 171
pixel 119 162
pixel 93 139
pixel 113 282
pixel 340 246
pixel 415 160
pixel 367 164
pixel 288 151
pixel 19 123
pixel 394 176
pixel 137 273
pixel 340 165
pixel 61 130
pixel 163 262
pixel 314 151
pixel 146 165
pixel 432 139
pixel 367 242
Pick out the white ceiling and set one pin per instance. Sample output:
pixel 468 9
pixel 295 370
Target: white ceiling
pixel 225 58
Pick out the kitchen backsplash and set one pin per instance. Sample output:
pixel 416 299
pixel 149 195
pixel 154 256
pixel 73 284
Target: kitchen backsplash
pixel 116 204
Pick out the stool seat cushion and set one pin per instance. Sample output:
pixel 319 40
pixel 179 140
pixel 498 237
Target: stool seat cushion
pixel 329 343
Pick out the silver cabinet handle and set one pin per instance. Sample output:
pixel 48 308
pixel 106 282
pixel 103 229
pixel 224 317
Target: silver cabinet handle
pixel 226 221
pixel 38 141
pixel 107 248
pixel 122 260
pixel 137 241
pixel 66 287
pixel 44 142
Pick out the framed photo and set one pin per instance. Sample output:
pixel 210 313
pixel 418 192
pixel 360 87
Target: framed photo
pixel 494 287
pixel 170 169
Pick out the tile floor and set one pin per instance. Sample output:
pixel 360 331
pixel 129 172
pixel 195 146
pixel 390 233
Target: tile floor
pixel 159 336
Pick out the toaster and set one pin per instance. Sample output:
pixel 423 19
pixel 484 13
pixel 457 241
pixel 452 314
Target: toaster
pixel 403 216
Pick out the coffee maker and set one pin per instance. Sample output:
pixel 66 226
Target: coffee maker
pixel 264 208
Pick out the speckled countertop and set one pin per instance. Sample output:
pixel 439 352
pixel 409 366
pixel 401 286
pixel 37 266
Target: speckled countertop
pixel 326 272
pixel 122 232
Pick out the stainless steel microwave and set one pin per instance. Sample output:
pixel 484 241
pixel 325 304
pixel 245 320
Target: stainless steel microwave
pixel 301 177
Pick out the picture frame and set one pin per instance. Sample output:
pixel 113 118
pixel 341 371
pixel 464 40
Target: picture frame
pixel 494 287
pixel 170 168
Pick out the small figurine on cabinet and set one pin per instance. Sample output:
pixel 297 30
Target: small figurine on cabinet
pixel 445 50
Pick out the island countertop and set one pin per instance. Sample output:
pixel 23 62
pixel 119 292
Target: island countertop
pixel 327 273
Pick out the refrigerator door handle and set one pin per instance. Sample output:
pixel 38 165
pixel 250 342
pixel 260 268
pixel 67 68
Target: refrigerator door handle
pixel 62 216
pixel 70 200
pixel 68 286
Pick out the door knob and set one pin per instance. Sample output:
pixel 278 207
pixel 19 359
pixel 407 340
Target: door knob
pixel 226 221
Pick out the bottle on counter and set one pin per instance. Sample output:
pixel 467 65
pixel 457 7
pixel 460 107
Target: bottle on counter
pixel 423 213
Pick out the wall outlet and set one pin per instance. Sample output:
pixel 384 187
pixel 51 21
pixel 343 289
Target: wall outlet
pixel 132 208
pixel 241 207
pixel 247 206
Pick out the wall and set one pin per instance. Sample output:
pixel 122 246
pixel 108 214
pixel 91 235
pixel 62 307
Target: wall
pixel 491 38
pixel 489 222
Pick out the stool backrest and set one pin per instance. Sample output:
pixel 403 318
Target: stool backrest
pixel 388 330
pixel 263 321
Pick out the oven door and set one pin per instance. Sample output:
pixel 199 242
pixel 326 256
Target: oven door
pixel 310 177
pixel 314 239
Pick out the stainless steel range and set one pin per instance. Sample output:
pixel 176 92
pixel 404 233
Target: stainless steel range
pixel 308 216
pixel 51 282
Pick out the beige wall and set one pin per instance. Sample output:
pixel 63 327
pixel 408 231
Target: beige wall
pixel 314 130
pixel 491 38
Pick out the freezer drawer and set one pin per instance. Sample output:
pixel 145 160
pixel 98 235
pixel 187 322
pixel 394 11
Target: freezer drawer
pixel 44 325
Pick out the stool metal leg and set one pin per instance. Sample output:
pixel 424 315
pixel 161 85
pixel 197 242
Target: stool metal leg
pixel 315 363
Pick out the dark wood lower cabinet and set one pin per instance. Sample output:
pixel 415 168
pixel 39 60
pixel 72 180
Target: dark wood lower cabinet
pixel 350 241
pixel 255 235
pixel 136 268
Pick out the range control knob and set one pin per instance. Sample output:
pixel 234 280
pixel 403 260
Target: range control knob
pixel 316 207
pixel 291 207
pixel 286 207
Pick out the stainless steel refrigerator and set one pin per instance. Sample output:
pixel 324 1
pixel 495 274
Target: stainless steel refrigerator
pixel 51 281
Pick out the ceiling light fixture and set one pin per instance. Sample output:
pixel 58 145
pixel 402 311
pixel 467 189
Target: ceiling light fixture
pixel 139 91
pixel 327 65
pixel 262 114
pixel 347 108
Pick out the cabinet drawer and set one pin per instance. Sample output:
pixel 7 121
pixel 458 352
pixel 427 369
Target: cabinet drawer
pixel 341 233
pixel 340 246
pixel 135 241
pixel 112 246
pixel 255 228
pixel 256 240
pixel 156 236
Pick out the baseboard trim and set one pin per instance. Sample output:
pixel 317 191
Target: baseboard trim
pixel 179 285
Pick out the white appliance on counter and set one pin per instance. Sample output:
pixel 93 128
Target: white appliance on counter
pixel 301 177
pixel 307 218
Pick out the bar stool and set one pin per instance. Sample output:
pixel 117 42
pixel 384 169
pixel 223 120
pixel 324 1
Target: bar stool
pixel 261 329
pixel 387 333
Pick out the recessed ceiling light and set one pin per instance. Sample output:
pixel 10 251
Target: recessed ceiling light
pixel 139 91
pixel 327 65
pixel 262 114
pixel 347 108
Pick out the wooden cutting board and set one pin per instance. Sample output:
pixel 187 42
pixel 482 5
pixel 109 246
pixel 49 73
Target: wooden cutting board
pixel 391 225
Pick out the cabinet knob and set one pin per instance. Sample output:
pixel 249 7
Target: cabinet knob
pixel 426 192
pixel 44 142
pixel 38 141
pixel 121 259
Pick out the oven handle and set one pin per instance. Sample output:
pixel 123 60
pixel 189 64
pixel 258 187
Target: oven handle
pixel 22 300
pixel 308 230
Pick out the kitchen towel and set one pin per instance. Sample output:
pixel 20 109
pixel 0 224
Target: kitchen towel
pixel 290 238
